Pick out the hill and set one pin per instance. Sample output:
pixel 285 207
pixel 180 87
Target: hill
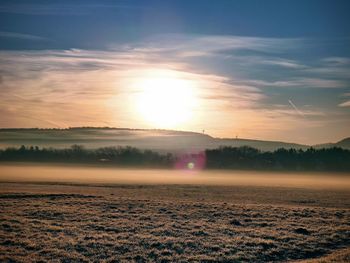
pixel 158 140
pixel 344 143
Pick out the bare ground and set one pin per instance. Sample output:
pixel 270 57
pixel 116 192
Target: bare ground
pixel 170 223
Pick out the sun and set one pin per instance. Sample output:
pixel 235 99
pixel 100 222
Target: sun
pixel 165 101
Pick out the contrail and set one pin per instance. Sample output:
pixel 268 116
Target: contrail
pixel 42 120
pixel 58 125
pixel 33 118
pixel 295 108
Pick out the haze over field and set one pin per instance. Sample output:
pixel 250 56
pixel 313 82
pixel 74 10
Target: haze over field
pixel 21 172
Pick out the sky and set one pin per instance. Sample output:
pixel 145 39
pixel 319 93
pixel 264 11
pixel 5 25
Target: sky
pixel 272 70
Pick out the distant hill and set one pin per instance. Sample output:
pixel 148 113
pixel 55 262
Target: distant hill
pixel 158 140
pixel 345 143
pixel 261 145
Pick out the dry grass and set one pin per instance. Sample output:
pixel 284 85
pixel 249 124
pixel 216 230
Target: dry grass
pixel 341 256
pixel 173 223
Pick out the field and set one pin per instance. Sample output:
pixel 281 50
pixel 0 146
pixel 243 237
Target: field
pixel 177 217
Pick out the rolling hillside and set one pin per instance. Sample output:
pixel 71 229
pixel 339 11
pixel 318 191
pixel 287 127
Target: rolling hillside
pixel 158 140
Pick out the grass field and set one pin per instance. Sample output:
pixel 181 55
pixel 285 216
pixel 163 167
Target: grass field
pixel 149 222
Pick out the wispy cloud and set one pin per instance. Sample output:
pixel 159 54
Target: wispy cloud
pixel 345 104
pixel 247 55
pixel 300 83
pixel 22 36
pixel 206 45
pixel 97 83
pixel 336 61
pixel 286 63
pixel 62 9
pixel 332 67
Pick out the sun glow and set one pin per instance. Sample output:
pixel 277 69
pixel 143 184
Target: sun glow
pixel 166 101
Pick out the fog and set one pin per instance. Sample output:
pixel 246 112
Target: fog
pixel 101 175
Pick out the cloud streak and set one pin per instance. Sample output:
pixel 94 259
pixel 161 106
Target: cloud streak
pixel 206 45
pixel 22 36
pixel 62 9
pixel 345 104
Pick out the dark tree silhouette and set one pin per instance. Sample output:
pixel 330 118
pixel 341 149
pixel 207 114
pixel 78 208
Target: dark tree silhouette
pixel 330 159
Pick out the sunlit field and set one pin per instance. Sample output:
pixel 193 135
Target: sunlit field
pixel 72 213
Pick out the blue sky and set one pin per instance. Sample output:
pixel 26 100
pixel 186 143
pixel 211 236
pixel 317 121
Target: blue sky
pixel 274 70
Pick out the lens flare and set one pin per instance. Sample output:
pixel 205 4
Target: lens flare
pixel 191 165
pixel 191 162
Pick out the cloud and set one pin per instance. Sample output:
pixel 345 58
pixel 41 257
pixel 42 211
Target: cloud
pixel 205 45
pixel 68 87
pixel 299 83
pixel 331 67
pixel 345 104
pixel 22 36
pixel 244 58
pixel 286 63
pixel 62 9
pixel 336 61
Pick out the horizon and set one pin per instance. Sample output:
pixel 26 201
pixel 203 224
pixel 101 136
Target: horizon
pixel 229 68
pixel 173 130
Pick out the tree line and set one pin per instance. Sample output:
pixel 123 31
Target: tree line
pixel 326 159
pixel 122 156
